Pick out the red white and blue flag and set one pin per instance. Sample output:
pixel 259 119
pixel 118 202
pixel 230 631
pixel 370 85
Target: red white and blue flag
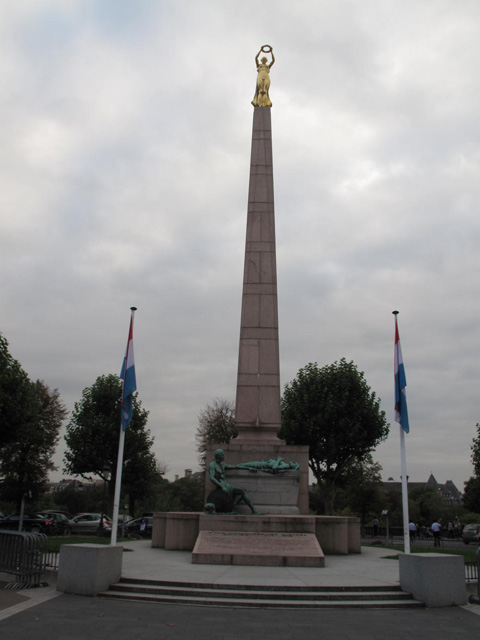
pixel 129 383
pixel 401 411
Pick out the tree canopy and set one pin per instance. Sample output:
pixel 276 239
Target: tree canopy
pixel 31 417
pixel 93 435
pixel 360 490
pixel 471 495
pixel 16 395
pixel 216 425
pixel 333 411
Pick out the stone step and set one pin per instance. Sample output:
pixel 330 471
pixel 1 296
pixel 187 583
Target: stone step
pixel 256 594
pixel 261 597
pixel 265 603
pixel 249 587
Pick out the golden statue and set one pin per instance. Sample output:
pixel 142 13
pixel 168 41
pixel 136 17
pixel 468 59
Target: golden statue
pixel 262 99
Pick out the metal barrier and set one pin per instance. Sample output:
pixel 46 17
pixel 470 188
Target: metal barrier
pixel 471 572
pixel 50 560
pixel 21 554
pixel 476 599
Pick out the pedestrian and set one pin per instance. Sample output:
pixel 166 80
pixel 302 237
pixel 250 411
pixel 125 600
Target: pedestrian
pixel 457 527
pixel 437 533
pixel 375 527
pixel 450 529
pixel 412 527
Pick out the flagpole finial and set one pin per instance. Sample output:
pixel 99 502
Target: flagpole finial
pixel 395 313
pixel 135 308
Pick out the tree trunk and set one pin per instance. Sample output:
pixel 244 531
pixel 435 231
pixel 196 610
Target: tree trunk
pixel 131 504
pixel 329 489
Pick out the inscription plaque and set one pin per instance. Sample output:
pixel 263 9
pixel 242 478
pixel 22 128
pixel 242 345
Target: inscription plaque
pixel 253 548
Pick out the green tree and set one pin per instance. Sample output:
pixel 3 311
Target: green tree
pixel 425 504
pixel 76 499
pixel 26 459
pixel 17 402
pixel 333 411
pixel 216 425
pixel 93 435
pixel 476 451
pixel 471 495
pixel 360 492
pixel 185 494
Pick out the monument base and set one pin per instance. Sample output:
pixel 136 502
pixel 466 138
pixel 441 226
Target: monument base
pixel 180 531
pixel 258 549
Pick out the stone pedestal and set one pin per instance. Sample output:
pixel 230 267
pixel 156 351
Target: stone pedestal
pixel 276 494
pixel 436 579
pixel 333 535
pixel 258 549
pixel 258 540
pixel 88 569
pixel 260 482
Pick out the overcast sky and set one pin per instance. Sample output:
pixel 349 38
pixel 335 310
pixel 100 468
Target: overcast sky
pixel 125 149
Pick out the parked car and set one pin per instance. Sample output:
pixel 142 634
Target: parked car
pixel 67 514
pixel 134 527
pixel 88 523
pixel 60 522
pixel 471 533
pixel 31 522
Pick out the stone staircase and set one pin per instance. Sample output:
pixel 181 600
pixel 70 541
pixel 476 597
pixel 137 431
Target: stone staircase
pixel 274 597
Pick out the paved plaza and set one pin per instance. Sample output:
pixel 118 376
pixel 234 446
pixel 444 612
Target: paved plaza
pixel 44 613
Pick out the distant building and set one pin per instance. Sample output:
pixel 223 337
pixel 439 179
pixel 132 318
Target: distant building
pixel 448 491
pixel 72 483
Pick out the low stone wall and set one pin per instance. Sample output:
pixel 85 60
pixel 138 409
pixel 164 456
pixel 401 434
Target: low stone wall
pixel 179 531
pixel 159 529
pixel 354 535
pixel 332 534
pixel 175 531
pixel 257 524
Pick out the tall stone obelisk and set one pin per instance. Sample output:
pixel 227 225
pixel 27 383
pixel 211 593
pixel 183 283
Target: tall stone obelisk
pixel 257 413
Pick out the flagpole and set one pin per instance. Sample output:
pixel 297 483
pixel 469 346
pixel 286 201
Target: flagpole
pixel 406 519
pixel 403 462
pixel 121 446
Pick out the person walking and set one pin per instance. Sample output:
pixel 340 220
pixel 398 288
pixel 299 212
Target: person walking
pixel 437 533
pixel 412 528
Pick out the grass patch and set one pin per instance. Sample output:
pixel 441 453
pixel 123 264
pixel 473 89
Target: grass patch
pixel 469 555
pixel 54 544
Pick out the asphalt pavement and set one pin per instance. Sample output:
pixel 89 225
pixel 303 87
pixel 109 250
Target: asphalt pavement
pixel 70 617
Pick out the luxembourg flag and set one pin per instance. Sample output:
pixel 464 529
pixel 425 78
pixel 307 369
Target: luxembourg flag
pixel 129 383
pixel 401 412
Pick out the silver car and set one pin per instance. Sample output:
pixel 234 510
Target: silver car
pixel 471 533
pixel 88 523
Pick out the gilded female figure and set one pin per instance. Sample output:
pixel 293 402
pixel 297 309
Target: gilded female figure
pixel 262 99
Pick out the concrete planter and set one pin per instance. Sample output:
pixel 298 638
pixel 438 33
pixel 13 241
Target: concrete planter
pixel 88 569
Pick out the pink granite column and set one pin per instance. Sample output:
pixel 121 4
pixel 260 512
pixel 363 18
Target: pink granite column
pixel 257 414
